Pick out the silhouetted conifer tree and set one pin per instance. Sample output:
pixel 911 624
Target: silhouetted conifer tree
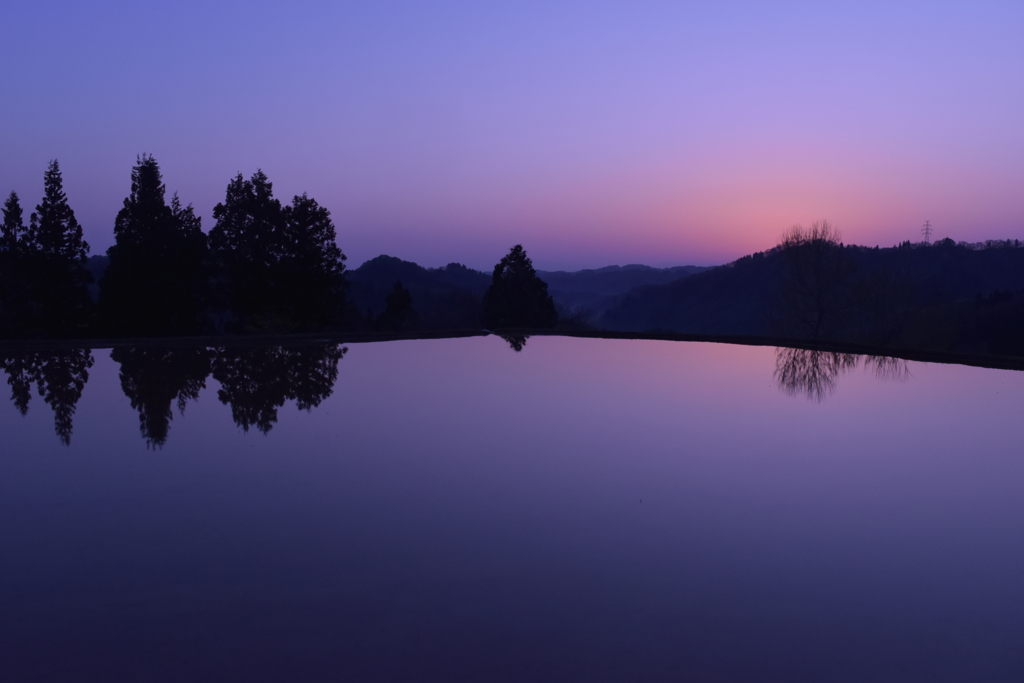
pixel 517 297
pixel 56 295
pixel 13 235
pixel 155 281
pixel 398 312
pixel 280 267
pixel 153 379
pixel 53 229
pixel 14 292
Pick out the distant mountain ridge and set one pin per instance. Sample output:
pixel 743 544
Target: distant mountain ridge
pixel 450 296
pixel 596 289
pixel 444 298
pixel 615 279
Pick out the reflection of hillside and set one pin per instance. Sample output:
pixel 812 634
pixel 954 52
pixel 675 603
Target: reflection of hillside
pixel 153 378
pixel 257 381
pixel 815 373
pixel 59 376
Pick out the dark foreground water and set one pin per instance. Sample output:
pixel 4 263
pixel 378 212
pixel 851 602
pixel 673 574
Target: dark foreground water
pixel 452 510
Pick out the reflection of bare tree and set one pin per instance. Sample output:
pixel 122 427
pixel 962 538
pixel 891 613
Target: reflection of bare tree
pixel 887 368
pixel 802 371
pixel 814 373
pixel 257 381
pixel 516 341
pixel 59 376
pixel 153 378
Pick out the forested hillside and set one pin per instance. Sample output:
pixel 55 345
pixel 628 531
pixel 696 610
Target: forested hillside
pixel 945 296
pixel 593 291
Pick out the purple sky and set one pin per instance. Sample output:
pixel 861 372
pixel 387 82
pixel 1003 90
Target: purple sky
pixel 593 133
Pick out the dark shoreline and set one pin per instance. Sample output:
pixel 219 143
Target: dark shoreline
pixel 991 361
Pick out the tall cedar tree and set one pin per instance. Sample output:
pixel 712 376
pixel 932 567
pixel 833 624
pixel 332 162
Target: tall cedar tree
pixel 154 284
pixel 46 282
pixel 53 230
pixel 13 289
pixel 12 237
pixel 279 267
pixel 517 298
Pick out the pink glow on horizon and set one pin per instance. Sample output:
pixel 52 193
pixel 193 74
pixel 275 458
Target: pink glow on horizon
pixel 658 133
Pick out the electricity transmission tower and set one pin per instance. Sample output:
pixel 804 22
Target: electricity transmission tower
pixel 927 232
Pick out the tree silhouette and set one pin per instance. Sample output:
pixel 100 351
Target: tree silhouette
pixel 53 229
pixel 52 265
pixel 816 286
pixel 398 312
pixel 13 233
pixel 256 381
pixel 14 290
pixel 154 283
pixel 517 298
pixel 245 243
pixel 279 266
pixel 154 378
pixel 59 376
pixel 311 275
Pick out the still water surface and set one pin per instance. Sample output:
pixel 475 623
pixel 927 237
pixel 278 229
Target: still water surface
pixel 455 510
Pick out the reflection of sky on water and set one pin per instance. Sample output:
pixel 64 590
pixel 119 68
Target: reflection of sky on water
pixel 457 508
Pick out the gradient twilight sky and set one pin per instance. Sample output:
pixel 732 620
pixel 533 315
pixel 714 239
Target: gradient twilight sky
pixel 593 133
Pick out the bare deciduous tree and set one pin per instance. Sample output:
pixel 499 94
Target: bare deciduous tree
pixel 816 278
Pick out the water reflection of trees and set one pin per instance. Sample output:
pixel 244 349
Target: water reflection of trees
pixel 154 378
pixel 814 374
pixel 257 381
pixel 888 368
pixel 516 341
pixel 59 377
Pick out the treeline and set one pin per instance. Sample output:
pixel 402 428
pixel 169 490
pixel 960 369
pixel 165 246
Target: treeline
pixel 265 267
